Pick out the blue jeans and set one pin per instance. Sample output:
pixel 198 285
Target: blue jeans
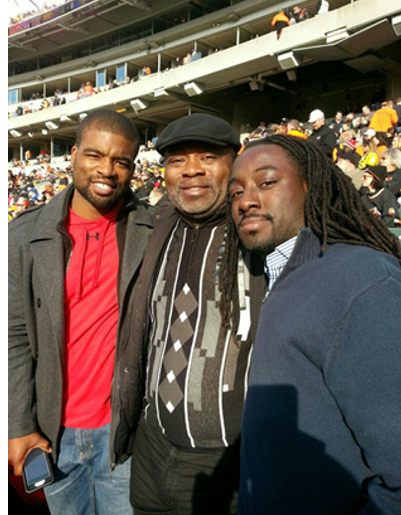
pixel 83 482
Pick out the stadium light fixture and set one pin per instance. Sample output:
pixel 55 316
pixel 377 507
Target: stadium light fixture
pixel 137 104
pixel 193 89
pixel 287 61
pixel 253 85
pixel 396 23
pixel 159 92
pixel 52 126
pixel 15 134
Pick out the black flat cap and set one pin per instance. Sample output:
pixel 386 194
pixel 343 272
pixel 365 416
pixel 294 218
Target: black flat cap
pixel 198 127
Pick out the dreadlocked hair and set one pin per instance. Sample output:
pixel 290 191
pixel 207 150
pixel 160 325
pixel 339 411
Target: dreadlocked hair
pixel 333 210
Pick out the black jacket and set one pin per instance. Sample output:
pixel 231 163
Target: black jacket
pixel 39 250
pixel 325 138
pixel 383 205
pixel 393 182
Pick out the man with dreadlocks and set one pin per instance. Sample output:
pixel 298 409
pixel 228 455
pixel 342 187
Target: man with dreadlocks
pixel 322 417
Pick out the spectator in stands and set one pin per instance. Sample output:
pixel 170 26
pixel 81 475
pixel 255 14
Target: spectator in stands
pixel 320 429
pixel 156 197
pixel 300 13
pixel 187 58
pixel 63 356
pixel 114 84
pixel 396 143
pixel 321 7
pixel 280 21
pixel 348 163
pixel 336 123
pixel 89 90
pixel 384 118
pixel 367 115
pixel 20 205
pixel 391 159
pixel 322 135
pixel 44 104
pixel 379 200
pixel 294 128
pixel 349 145
pixel 380 142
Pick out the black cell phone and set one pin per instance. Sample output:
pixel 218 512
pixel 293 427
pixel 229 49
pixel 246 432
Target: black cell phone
pixel 37 470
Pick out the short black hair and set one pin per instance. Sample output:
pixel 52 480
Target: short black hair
pixel 109 121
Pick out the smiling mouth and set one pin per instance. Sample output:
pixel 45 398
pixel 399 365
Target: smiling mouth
pixel 195 190
pixel 103 188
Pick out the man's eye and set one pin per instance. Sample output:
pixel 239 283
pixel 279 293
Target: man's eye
pixel 235 194
pixel 122 163
pixel 266 184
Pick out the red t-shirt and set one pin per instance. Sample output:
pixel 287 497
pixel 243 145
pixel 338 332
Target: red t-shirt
pixel 91 317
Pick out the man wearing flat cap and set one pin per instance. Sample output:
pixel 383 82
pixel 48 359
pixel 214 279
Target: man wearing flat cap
pixel 186 453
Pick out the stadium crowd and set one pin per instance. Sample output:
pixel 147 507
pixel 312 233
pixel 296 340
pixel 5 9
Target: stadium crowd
pixel 366 147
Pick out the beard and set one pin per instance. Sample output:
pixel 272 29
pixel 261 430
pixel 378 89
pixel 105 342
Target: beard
pixel 106 203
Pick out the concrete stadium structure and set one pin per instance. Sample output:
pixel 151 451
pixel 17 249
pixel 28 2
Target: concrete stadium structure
pixel 243 72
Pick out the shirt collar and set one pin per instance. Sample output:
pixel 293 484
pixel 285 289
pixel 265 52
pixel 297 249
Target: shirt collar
pixel 276 261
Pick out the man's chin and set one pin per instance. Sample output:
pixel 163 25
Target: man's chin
pixel 257 246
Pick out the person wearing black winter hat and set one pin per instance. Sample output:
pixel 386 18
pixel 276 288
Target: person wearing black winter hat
pixel 379 200
pixel 186 452
pixel 348 163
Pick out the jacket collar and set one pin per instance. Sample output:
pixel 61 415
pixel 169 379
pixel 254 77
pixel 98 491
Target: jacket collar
pixel 57 210
pixel 307 247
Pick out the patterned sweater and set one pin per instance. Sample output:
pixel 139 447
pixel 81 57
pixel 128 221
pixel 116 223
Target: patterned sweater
pixel 197 374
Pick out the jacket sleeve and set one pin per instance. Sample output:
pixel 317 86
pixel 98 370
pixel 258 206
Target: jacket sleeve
pixel 394 186
pixel 365 379
pixel 21 383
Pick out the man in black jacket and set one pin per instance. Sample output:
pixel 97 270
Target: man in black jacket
pixel 186 453
pixel 322 135
pixel 73 264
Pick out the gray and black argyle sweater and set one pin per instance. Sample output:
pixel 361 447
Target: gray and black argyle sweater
pixel 196 374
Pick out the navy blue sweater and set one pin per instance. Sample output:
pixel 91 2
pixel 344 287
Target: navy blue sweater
pixel 321 431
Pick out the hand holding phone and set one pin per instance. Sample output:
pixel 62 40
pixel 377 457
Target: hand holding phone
pixel 37 471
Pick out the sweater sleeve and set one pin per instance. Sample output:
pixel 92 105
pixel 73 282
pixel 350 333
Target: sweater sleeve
pixel 364 376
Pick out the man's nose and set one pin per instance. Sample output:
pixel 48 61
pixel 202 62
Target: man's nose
pixel 249 200
pixel 106 167
pixel 193 167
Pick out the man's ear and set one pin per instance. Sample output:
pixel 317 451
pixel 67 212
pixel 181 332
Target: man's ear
pixel 74 151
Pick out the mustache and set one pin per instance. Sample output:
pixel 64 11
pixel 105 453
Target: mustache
pixel 267 216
